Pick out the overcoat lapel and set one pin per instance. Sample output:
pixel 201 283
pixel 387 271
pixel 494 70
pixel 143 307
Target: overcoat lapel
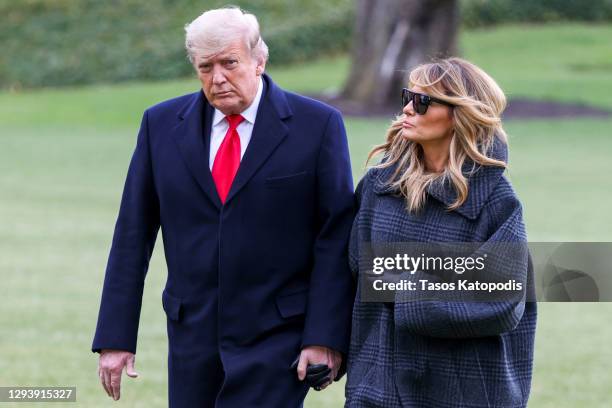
pixel 268 132
pixel 192 136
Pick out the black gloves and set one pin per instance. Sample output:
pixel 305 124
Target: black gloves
pixel 316 374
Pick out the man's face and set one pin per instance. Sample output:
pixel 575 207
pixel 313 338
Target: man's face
pixel 230 77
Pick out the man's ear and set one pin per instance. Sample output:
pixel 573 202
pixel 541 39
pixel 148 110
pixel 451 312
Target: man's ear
pixel 261 66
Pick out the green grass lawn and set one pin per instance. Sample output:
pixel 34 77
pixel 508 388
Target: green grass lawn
pixel 64 155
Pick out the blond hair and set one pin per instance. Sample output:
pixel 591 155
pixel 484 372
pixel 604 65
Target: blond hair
pixel 216 29
pixel 478 103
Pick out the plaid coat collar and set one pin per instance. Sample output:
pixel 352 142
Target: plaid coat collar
pixel 481 181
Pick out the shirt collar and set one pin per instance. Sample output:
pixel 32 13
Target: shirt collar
pixel 249 113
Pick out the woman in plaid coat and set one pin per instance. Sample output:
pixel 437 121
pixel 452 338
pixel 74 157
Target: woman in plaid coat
pixel 441 180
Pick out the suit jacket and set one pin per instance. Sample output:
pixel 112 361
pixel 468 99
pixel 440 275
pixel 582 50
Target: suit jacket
pixel 249 282
pixel 443 353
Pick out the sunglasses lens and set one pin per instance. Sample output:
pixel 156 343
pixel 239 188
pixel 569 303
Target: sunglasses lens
pixel 420 103
pixel 405 98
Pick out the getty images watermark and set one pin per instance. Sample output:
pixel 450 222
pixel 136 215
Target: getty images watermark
pixel 486 271
pixel 429 264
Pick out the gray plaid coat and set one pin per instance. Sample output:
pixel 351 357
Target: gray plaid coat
pixel 441 354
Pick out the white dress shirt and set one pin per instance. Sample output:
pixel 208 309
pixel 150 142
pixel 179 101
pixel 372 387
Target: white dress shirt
pixel 245 128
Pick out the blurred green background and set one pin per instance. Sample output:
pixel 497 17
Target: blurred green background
pixel 64 153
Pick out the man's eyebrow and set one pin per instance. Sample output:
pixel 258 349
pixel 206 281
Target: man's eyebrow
pixel 222 57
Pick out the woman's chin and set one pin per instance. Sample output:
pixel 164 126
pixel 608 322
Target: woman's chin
pixel 408 134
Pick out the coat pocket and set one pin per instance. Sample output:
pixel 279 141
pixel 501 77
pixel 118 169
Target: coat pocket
pixel 172 306
pixel 293 304
pixel 285 180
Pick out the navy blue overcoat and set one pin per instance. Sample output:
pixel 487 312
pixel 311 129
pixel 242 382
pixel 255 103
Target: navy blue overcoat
pixel 249 282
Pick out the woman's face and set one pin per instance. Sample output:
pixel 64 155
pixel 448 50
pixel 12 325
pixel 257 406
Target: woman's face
pixel 434 126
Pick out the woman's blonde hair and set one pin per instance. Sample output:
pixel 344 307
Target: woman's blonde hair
pixel 478 103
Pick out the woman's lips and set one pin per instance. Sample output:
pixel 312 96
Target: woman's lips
pixel 407 125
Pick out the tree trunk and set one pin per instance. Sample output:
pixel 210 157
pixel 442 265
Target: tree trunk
pixel 393 36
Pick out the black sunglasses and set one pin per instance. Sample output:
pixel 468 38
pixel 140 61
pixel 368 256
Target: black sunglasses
pixel 420 102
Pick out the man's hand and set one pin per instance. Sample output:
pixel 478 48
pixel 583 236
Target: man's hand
pixel 319 355
pixel 110 367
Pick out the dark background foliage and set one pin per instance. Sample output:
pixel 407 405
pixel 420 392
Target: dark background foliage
pixel 70 42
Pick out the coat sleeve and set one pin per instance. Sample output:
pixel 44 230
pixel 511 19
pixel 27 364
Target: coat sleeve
pixel 353 249
pixel 133 240
pixel 330 298
pixel 469 319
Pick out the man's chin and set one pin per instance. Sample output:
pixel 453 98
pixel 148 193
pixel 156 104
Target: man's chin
pixel 227 106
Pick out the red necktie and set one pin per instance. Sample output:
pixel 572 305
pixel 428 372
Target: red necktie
pixel 227 159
